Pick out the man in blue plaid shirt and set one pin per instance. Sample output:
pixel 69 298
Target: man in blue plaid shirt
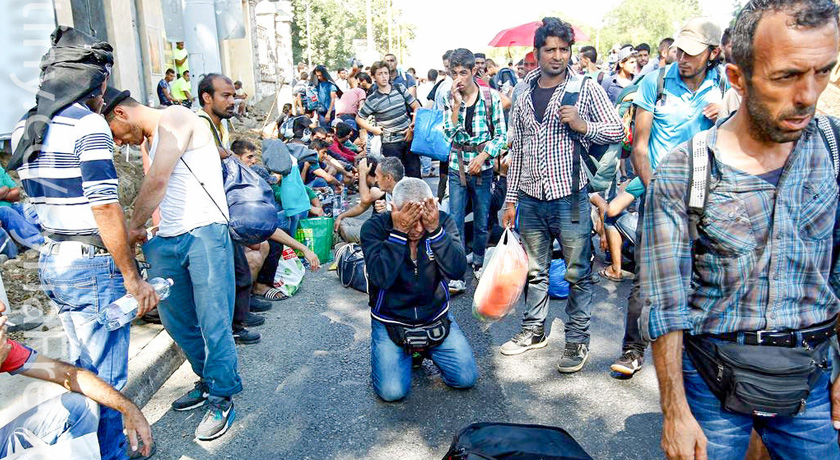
pixel 757 274
pixel 475 121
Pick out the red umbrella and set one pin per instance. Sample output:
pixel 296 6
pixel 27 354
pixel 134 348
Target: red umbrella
pixel 524 36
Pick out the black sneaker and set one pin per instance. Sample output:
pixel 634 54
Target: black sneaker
pixel 629 363
pixel 259 305
pixel 529 338
pixel 574 357
pixel 251 320
pixel 244 336
pixel 196 397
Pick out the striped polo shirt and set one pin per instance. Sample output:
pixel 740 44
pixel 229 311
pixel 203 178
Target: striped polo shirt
pixel 73 172
pixel 390 112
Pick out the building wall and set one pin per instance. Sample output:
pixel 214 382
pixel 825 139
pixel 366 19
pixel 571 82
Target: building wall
pixel 122 34
pixel 153 45
pixel 238 56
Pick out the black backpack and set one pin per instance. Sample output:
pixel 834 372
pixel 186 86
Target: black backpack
pixel 508 441
pixel 352 270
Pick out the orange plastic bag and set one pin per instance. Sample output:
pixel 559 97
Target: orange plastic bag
pixel 502 280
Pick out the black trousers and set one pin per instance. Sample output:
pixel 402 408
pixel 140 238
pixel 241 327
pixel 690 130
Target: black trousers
pixel 242 275
pixel 410 161
pixel 269 268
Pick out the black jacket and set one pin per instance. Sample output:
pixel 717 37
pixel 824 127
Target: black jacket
pixel 399 292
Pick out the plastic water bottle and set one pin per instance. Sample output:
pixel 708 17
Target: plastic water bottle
pixel 344 203
pixel 123 310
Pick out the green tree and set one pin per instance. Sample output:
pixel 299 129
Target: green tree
pixel 334 24
pixel 648 21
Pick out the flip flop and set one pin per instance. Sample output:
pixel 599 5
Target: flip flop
pixel 603 274
pixel 273 294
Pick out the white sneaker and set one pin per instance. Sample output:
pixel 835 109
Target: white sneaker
pixel 457 286
pixel 477 272
pixel 469 258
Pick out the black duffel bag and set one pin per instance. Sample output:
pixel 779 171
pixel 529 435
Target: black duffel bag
pixel 351 267
pixel 509 441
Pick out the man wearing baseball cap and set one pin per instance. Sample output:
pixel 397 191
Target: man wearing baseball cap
pixel 687 103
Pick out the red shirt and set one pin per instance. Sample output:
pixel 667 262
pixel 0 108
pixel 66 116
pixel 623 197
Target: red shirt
pixel 345 153
pixel 20 358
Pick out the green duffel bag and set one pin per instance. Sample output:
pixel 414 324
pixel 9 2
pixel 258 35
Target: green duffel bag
pixel 317 234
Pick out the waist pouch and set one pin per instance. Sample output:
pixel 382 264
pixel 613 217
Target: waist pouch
pixel 757 380
pixel 419 338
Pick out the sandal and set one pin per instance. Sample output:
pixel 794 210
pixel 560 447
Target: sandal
pixel 603 274
pixel 273 294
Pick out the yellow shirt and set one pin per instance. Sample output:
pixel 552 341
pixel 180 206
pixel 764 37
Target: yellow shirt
pixel 178 87
pixel 178 55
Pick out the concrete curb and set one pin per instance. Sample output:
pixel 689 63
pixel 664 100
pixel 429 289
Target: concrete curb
pixel 152 367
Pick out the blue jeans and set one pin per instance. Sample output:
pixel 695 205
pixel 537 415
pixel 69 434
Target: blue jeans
pixel 540 222
pixel 81 288
pixel 199 309
pixel 807 435
pixel 480 194
pixel 391 365
pixel 318 182
pixel 59 419
pixel 289 224
pixel 12 220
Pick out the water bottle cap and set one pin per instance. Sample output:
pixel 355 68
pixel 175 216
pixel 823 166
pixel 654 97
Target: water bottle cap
pixel 169 280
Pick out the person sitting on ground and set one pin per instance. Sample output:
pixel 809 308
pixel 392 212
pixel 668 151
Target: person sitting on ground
pixel 341 134
pixel 327 171
pixel 613 216
pixel 12 220
pixel 284 115
pixel 386 175
pixel 68 416
pixel 316 209
pixel 240 98
pixel 182 90
pixel 410 253
pixel 164 91
pixel 337 160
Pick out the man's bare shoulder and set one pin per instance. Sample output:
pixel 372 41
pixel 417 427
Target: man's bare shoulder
pixel 177 116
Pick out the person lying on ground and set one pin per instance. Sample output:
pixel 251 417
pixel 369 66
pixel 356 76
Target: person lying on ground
pixel 70 415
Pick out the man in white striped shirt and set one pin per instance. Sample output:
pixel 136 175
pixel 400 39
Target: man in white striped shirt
pixel 87 262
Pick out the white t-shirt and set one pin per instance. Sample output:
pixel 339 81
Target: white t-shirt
pixel 186 205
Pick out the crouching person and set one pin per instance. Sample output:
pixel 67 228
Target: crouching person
pixel 411 253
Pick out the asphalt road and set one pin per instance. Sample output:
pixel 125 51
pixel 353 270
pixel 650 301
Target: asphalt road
pixel 308 393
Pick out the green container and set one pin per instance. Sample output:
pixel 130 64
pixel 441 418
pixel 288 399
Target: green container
pixel 317 234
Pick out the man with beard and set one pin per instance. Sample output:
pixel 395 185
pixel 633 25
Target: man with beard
pixel 398 77
pixel 754 270
pixel 193 247
pixel 218 104
pixel 547 182
pixel 688 104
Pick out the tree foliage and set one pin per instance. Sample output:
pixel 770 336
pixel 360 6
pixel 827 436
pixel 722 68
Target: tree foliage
pixel 334 24
pixel 644 21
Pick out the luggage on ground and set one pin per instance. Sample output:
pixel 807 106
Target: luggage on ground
pixel 317 234
pixel 508 441
pixel 352 270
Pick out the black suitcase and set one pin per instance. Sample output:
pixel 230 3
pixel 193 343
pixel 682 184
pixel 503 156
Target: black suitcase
pixel 509 441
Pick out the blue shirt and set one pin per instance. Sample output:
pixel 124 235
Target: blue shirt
pixel 404 79
pixel 324 89
pixel 679 114
pixel 764 257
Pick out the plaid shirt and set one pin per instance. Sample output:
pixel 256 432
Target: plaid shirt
pixel 764 257
pixel 480 129
pixel 541 154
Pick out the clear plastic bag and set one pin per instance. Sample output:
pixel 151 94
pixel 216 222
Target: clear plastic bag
pixel 502 280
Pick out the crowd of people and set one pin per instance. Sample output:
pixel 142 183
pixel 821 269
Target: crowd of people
pixel 723 219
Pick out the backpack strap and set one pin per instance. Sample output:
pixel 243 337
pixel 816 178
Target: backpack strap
pixel 699 181
pixel 831 136
pixel 660 83
pixel 488 108
pixel 571 95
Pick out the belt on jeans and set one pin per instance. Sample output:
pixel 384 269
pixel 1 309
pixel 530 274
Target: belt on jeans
pixel 93 240
pixel 813 335
pixel 74 249
pixel 459 150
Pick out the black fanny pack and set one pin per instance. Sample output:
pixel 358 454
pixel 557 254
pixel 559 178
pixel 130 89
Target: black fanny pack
pixel 419 338
pixel 756 380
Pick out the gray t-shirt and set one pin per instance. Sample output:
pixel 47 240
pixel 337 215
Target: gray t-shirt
pixel 390 111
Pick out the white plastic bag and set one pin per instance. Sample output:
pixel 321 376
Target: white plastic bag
pixel 290 273
pixel 374 145
pixel 502 279
pixel 82 448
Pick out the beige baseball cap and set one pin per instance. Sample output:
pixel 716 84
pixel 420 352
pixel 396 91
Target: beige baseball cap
pixel 696 35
